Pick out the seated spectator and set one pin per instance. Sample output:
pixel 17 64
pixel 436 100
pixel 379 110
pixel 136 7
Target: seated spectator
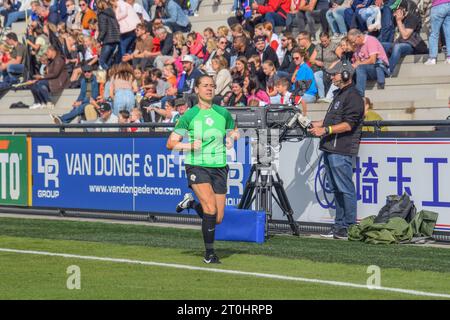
pixel 287 44
pixel 139 77
pixel 240 69
pixel 124 118
pixel 387 30
pixel 89 90
pixel 335 17
pixel 166 40
pixel 54 81
pixel 106 116
pixel 174 17
pixel 135 117
pixel 87 14
pixel 327 53
pixel 265 51
pixel 314 9
pixel 236 97
pixel 369 60
pixel 169 114
pixel 181 107
pixel 305 43
pixel 195 44
pixel 93 28
pixel 38 46
pixel 271 77
pixel 275 11
pixel 254 67
pixel 73 20
pixel 241 48
pixel 15 11
pixel 346 50
pixel 284 96
pixel 221 50
pixel 372 17
pixel 122 88
pixel 440 16
pixel 89 57
pixel 371 115
pixel 222 78
pixel 161 85
pixel 14 68
pixel 273 40
pixel 169 75
pixel 143 48
pixel 187 80
pixel 150 99
pixel 255 92
pixel 352 17
pixel 408 22
pixel 303 73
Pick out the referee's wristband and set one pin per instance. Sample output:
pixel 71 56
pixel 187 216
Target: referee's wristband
pixel 330 130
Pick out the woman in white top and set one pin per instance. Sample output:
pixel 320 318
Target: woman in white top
pixel 222 78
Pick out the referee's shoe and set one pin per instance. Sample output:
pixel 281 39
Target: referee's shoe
pixel 212 258
pixel 186 203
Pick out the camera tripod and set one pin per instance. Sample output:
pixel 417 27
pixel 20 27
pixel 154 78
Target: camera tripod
pixel 259 190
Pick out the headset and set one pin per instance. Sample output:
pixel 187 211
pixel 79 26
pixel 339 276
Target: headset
pixel 345 74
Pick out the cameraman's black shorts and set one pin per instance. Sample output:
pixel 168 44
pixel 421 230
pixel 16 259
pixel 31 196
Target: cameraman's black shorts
pixel 216 177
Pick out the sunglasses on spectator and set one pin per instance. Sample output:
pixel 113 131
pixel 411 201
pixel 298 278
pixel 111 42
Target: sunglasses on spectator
pixel 296 58
pixel 82 4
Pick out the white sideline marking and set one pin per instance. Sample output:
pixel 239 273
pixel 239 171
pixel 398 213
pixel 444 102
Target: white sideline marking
pixel 235 272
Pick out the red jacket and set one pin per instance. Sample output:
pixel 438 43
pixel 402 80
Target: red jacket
pixel 276 6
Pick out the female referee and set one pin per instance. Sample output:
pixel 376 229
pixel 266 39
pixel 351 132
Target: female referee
pixel 207 125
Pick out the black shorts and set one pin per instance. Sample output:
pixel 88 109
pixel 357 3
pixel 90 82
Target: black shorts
pixel 216 177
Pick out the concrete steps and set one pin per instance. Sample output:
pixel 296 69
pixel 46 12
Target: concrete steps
pixel 421 70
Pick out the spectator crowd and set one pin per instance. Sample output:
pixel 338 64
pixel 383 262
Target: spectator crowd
pixel 137 60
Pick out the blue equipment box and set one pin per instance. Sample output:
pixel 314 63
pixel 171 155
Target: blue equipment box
pixel 242 225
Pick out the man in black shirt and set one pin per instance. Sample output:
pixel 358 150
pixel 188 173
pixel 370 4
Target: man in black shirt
pixel 339 134
pixel 408 22
pixel 265 52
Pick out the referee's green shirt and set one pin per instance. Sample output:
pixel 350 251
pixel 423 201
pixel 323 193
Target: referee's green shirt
pixel 210 127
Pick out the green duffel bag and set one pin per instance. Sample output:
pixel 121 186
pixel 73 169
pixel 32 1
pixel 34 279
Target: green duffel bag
pixel 423 223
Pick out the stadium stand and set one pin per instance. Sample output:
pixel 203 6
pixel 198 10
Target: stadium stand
pixel 414 91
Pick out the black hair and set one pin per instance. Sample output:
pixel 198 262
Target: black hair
pixel 253 84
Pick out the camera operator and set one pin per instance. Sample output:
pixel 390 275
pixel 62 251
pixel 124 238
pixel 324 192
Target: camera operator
pixel 339 134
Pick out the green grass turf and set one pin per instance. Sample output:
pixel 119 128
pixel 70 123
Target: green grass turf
pixel 38 277
pixel 24 276
pixel 410 258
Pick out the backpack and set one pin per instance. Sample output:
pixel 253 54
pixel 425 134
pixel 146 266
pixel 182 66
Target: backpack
pixel 397 206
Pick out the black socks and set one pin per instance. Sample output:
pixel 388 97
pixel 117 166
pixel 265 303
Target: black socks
pixel 208 230
pixel 198 208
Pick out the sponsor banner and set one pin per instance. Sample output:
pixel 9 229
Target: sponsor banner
pixel 419 167
pixel 13 170
pixel 121 174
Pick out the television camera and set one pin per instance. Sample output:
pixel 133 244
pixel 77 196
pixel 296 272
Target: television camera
pixel 271 126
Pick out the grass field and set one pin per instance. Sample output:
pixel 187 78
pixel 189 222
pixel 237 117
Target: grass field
pixel 33 276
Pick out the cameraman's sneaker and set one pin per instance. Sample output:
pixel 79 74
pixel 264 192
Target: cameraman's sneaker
pixel 341 234
pixel 328 235
pixel 186 203
pixel 212 258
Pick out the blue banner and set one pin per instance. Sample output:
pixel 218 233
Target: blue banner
pixel 120 174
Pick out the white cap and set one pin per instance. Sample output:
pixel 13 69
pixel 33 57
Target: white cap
pixel 188 58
